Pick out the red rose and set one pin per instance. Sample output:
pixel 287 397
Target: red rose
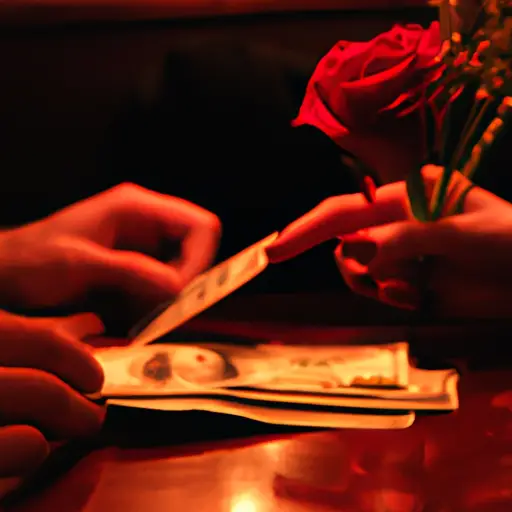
pixel 356 90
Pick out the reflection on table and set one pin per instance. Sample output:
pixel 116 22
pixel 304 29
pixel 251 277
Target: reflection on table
pixel 443 463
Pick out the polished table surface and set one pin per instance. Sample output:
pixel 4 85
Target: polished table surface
pixel 443 463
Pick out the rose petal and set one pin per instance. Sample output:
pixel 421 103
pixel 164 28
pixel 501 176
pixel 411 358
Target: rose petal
pixel 408 35
pixel 419 103
pixel 358 85
pixel 429 46
pixel 404 101
pixel 315 112
pixel 385 54
pixel 359 102
pixel 343 63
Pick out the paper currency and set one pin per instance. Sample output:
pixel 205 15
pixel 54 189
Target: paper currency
pixel 281 384
pixel 208 289
pixel 180 369
pixel 276 416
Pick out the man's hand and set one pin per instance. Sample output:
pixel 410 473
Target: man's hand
pixel 44 369
pixel 110 241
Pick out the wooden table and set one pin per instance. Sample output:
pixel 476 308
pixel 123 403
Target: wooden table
pixel 156 462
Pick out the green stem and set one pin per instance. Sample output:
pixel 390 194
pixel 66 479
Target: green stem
pixel 486 142
pixel 417 195
pixel 469 131
pixel 445 134
pixel 464 134
pixel 458 207
pixel 471 168
pixel 439 195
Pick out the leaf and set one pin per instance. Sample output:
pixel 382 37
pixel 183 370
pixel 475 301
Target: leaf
pixel 417 196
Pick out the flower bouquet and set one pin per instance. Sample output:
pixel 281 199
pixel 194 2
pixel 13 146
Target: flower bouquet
pixel 389 103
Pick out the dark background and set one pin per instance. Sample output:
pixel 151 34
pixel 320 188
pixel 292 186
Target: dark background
pixel 199 109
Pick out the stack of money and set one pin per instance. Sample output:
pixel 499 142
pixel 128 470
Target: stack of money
pixel 372 386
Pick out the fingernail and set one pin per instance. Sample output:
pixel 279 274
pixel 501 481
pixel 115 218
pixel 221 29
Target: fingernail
pixel 401 295
pixel 369 189
pixel 359 248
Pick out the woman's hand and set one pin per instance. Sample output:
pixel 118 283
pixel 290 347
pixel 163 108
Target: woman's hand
pixel 44 371
pixel 470 253
pixel 111 240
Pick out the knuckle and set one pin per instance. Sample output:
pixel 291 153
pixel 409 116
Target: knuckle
pixel 127 191
pixel 213 223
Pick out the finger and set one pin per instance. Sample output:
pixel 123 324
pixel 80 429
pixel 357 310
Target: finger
pixel 82 325
pixel 34 397
pixel 407 271
pixel 390 245
pixel 337 216
pixel 45 345
pixel 140 275
pixel 22 450
pixel 198 249
pixel 341 215
pixel 392 288
pixel 400 294
pixel 355 275
pixel 133 273
pixel 136 210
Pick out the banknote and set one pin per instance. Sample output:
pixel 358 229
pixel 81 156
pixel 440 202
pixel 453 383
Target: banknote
pixel 266 412
pixel 180 369
pixel 377 377
pixel 206 290
pixel 371 386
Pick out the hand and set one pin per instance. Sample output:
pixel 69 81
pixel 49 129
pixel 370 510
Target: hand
pixel 110 240
pixel 44 368
pixel 471 253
